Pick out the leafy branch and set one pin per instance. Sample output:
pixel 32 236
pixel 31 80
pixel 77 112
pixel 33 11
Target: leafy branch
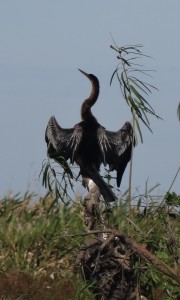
pixel 57 182
pixel 134 89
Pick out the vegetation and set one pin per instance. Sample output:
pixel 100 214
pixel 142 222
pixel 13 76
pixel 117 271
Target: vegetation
pixel 40 238
pixel 134 89
pixel 39 243
pixel 36 252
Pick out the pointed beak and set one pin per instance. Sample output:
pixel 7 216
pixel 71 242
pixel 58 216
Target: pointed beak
pixel 86 74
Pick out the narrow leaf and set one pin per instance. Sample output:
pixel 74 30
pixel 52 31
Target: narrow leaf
pixel 44 180
pixel 139 130
pixel 134 81
pixel 113 76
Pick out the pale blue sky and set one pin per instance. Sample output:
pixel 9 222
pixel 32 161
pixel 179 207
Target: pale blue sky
pixel 43 43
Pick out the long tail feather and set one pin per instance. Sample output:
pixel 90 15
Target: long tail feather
pixel 105 190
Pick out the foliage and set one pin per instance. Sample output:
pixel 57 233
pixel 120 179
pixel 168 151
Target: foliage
pixel 32 234
pixel 57 181
pixel 133 88
pixel 135 92
pixel 35 242
pixel 41 240
pixel 172 199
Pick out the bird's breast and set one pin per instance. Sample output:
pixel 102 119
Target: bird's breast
pixel 88 153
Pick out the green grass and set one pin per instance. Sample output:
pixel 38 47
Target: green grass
pixel 38 249
pixel 36 252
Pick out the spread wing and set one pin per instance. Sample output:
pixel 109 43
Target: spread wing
pixel 62 143
pixel 116 148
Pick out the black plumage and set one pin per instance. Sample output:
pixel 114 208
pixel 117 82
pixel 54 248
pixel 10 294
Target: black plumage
pixel 89 144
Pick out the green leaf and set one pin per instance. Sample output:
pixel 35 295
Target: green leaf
pixel 144 84
pixel 147 120
pixel 125 61
pixel 137 94
pixel 172 199
pixel 44 180
pixel 125 82
pixel 113 75
pixel 49 182
pixel 138 85
pixel 139 130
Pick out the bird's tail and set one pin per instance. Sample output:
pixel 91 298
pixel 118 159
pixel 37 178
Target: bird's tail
pixel 105 190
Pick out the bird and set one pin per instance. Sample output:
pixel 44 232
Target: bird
pixel 89 144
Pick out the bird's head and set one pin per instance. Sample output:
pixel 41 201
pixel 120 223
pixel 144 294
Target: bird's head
pixel 91 77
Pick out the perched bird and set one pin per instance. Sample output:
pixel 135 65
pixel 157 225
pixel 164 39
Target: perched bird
pixel 89 144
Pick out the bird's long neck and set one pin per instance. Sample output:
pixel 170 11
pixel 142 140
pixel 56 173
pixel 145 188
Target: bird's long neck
pixel 89 102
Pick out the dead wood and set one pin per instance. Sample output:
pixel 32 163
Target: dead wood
pixel 102 260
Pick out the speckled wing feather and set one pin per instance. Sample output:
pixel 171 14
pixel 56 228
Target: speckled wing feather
pixel 62 143
pixel 116 148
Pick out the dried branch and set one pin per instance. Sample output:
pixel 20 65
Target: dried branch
pixel 136 248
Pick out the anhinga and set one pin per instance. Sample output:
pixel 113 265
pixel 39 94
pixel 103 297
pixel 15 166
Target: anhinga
pixel 89 144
